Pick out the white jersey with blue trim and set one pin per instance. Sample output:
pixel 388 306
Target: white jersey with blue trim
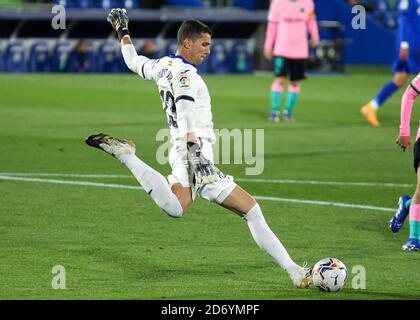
pixel 178 80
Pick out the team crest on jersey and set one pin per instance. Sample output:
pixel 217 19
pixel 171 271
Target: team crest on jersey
pixel 184 82
pixel 170 62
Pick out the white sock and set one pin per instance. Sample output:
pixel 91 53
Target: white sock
pixel 267 240
pixel 154 184
pixel 374 104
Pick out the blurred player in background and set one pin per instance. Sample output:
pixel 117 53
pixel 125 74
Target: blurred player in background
pixel 407 206
pixel 79 60
pixel 407 57
pixel 186 102
pixel 286 42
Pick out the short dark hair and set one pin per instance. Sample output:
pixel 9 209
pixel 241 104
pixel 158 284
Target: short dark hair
pixel 191 29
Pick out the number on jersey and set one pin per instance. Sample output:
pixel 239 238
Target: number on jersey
pixel 169 101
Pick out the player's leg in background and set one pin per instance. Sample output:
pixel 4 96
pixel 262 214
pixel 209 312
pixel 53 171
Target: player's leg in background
pixel 403 208
pixel 399 80
pixel 242 203
pixel 369 111
pixel 152 181
pixel 277 91
pixel 293 91
pixel 297 72
pixel 277 88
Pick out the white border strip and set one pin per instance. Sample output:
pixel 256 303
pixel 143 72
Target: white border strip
pixel 120 186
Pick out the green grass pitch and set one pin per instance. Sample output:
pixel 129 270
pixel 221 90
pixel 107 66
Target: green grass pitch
pixel 116 244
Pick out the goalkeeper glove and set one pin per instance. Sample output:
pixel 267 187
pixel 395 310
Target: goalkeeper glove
pixel 118 19
pixel 203 171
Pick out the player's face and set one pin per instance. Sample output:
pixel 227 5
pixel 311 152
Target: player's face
pixel 200 48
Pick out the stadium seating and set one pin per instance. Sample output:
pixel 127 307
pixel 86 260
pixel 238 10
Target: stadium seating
pixel 241 60
pixel 245 4
pixel 186 3
pixel 385 13
pixel 1 61
pixel 204 67
pixel 85 4
pixel 219 59
pixel 61 56
pixel 81 60
pixel 170 48
pixel 107 4
pixel 106 58
pixel 148 49
pixel 15 58
pixel 130 4
pixel 39 60
pixel 122 67
pixel 66 3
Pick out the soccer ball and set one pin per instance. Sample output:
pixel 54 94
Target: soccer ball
pixel 329 274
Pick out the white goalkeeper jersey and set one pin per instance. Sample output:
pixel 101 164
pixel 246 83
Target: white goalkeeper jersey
pixel 185 97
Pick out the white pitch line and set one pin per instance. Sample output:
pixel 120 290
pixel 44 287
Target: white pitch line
pixel 324 203
pixel 275 181
pixel 121 186
pixel 334 183
pixel 69 175
pixel 80 183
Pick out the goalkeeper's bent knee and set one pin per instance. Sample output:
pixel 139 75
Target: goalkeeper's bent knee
pixel 173 209
pixel 158 188
pixel 168 202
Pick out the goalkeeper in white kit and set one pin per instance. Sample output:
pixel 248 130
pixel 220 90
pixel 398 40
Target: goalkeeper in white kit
pixel 186 102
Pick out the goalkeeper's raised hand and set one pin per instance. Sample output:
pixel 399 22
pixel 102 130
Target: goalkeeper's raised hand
pixel 118 19
pixel 203 170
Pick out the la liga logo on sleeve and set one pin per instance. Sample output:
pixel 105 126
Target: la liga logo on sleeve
pixel 184 82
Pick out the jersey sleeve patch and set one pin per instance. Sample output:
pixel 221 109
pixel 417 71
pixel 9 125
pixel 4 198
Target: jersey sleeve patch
pixel 184 82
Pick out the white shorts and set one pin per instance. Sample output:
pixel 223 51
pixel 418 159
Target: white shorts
pixel 213 192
